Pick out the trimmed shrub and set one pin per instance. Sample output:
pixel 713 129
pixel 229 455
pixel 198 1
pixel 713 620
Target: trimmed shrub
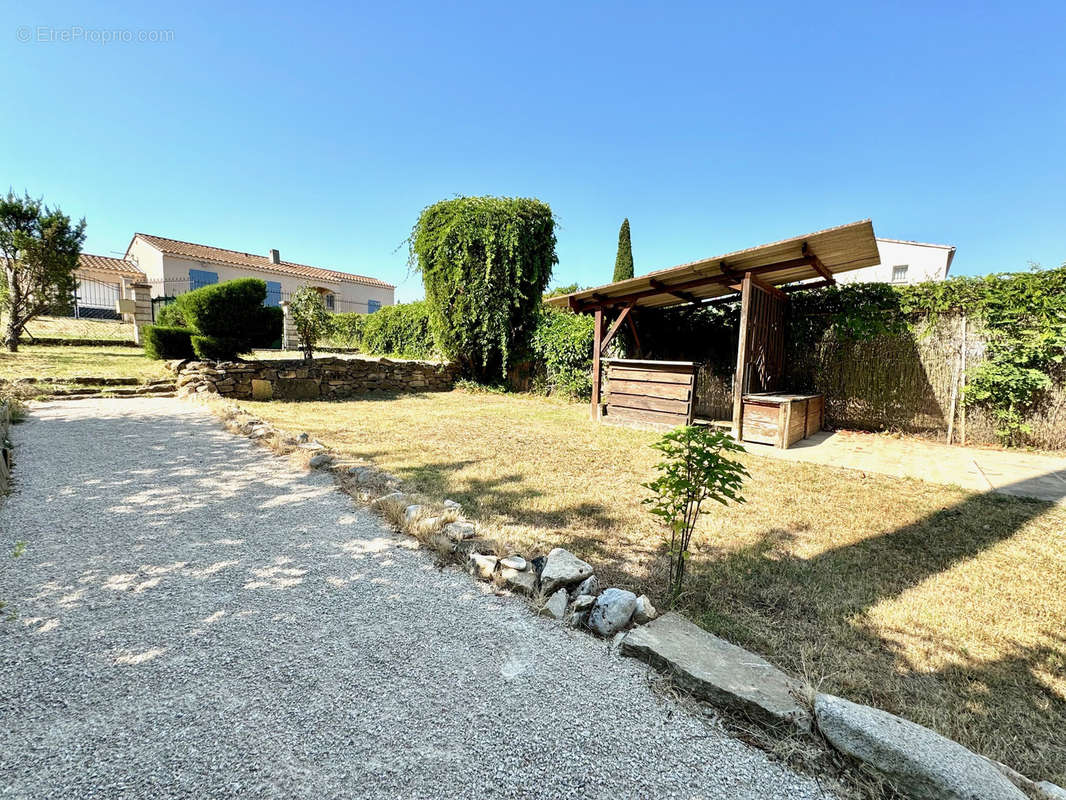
pixel 346 329
pixel 169 316
pixel 562 353
pixel 400 330
pixel 215 348
pixel 267 335
pixel 162 341
pixel 230 315
pixel 485 263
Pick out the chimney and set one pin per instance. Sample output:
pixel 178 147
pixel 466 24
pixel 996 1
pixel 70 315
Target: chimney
pixel 275 257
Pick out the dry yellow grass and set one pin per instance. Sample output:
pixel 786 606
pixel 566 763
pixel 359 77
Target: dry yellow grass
pixel 48 361
pixel 942 605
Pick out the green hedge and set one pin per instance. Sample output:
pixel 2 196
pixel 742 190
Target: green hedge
pixel 401 330
pixel 161 341
pixel 561 348
pixel 347 330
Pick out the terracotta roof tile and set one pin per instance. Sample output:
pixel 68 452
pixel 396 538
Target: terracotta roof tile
pixel 202 252
pixel 107 264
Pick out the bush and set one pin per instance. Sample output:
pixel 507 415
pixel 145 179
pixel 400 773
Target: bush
pixel 562 353
pixel 215 348
pixel 169 316
pixel 267 334
pixel 346 329
pixel 309 318
pixel 485 263
pixel 164 341
pixel 230 315
pixel 400 330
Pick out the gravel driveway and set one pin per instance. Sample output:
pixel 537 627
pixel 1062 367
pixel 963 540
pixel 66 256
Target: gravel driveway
pixel 197 619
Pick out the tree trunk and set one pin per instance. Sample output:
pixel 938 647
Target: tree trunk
pixel 12 328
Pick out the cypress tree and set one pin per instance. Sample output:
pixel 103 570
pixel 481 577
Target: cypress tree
pixel 623 262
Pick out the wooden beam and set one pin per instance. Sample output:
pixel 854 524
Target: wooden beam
pixel 739 384
pixel 816 262
pixel 600 301
pixel 636 338
pixel 683 295
pixel 613 330
pixel 766 287
pixel 801 287
pixel 597 336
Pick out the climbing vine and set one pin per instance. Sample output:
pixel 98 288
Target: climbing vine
pixel 1023 315
pixel 485 262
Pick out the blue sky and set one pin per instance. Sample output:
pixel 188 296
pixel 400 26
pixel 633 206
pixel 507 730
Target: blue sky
pixel 323 130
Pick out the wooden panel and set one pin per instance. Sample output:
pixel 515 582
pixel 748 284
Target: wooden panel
pixel 639 415
pixel 797 425
pixel 615 400
pixel 658 376
pixel 815 409
pixel 668 391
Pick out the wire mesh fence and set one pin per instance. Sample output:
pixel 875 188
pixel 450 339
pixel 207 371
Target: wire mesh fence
pixel 165 292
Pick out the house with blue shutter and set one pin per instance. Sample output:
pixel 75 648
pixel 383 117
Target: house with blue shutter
pixel 173 267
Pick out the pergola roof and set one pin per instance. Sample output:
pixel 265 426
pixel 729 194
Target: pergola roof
pixel 813 255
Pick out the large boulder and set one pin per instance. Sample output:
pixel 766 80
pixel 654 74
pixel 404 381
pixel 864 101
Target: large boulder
pixel 612 611
pixel 518 580
pixel 715 670
pixel 556 605
pixel 562 568
pixel 921 763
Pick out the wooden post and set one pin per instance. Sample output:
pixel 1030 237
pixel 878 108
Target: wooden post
pixel 597 339
pixel 739 382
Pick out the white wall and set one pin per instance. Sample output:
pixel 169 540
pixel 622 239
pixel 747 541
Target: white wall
pixel 924 262
pixel 173 274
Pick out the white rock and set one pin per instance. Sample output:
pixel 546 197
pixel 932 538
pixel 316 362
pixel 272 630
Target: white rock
pixel 514 562
pixel 460 530
pixel 556 605
pixel 591 585
pixel 451 504
pixel 1051 790
pixel 562 568
pixel 524 581
pixel 319 461
pixel 410 514
pixel 481 566
pixel 921 763
pixel 583 602
pixel 645 611
pixel 612 611
pixel 386 499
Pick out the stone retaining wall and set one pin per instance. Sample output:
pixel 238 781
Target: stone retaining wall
pixel 321 378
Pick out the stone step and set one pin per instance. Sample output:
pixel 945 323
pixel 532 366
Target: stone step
pixel 717 671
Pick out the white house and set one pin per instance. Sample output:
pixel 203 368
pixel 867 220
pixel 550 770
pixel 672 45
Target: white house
pixel 904 262
pixel 173 267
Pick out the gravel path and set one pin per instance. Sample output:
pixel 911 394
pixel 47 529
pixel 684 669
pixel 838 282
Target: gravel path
pixel 197 619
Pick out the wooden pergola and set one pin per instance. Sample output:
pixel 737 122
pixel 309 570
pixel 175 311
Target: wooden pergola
pixel 763 276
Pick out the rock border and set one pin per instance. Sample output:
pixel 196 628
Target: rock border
pixel 918 763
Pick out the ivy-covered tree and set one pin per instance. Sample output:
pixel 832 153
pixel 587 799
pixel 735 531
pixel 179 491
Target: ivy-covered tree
pixel 485 262
pixel 39 247
pixel 623 261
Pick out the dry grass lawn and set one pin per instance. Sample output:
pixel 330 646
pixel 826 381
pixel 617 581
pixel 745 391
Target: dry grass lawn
pixel 942 605
pixel 70 328
pixel 57 361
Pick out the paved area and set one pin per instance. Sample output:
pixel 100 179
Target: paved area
pixel 199 620
pixel 982 470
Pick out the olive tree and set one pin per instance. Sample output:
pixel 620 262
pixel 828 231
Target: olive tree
pixel 310 318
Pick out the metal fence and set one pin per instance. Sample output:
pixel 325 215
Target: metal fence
pixel 94 300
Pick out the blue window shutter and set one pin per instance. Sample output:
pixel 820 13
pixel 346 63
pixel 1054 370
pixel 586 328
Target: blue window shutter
pixel 372 306
pixel 273 297
pixel 201 277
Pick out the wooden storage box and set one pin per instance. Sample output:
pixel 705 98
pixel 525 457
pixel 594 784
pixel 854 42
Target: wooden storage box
pixel 655 394
pixel 780 419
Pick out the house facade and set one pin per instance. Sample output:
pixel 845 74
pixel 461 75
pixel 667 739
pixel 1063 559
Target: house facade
pixel 173 267
pixel 904 262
